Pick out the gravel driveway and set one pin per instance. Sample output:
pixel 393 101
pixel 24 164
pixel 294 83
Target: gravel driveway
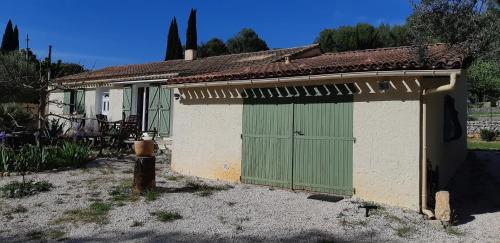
pixel 240 213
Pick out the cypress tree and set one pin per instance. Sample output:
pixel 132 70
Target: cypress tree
pixel 174 46
pixel 8 37
pixel 15 41
pixel 191 35
pixel 168 52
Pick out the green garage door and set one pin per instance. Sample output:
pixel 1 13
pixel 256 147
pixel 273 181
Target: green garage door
pixel 304 142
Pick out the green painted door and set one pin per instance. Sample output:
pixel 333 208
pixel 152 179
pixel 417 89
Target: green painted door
pixel 165 112
pixel 127 101
pixel 153 103
pixel 323 140
pixel 267 142
pixel 299 141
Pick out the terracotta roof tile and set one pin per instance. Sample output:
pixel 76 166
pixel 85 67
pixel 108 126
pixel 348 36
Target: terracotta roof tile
pixel 438 56
pixel 187 68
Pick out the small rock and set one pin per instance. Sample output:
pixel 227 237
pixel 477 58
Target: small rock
pixel 442 210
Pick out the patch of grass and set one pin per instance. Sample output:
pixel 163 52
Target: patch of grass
pixel 46 235
pixel 476 144
pixel 56 234
pixel 174 178
pixel 36 235
pixel 352 224
pixel 151 195
pixel 222 219
pixel 230 204
pixel 23 189
pixel 97 213
pixel 19 209
pixel 129 171
pixel 123 192
pixel 404 231
pixel 454 231
pixel 244 219
pixel 137 224
pixel 204 190
pixel 165 216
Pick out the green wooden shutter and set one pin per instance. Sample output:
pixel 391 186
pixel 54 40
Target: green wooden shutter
pixel 66 101
pixel 267 142
pixel 127 101
pixel 153 105
pixel 323 144
pixel 80 101
pixel 165 111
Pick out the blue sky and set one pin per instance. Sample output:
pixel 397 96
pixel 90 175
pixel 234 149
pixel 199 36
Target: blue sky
pixel 99 33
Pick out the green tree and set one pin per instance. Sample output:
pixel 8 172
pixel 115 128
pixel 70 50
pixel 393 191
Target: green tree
pixel 345 38
pixel 367 37
pixel 18 78
pixel 474 24
pixel 326 40
pixel 15 41
pixel 191 35
pixel 174 46
pixel 213 47
pixel 484 80
pixel 246 41
pixel 8 38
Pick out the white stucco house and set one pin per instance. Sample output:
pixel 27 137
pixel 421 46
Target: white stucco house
pixel 381 125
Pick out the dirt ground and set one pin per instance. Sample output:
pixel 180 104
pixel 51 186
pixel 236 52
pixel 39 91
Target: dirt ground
pixel 93 204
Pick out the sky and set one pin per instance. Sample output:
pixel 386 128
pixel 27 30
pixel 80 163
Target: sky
pixel 100 33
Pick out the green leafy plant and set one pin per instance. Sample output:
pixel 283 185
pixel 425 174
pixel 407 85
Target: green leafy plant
pixel 22 189
pixel 151 195
pixel 73 154
pixel 6 159
pixel 488 135
pixel 53 130
pixel 122 192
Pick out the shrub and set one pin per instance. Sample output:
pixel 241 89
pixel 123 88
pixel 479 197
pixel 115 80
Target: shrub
pixel 31 158
pixel 73 154
pixel 22 189
pixel 7 159
pixel 488 135
pixel 13 115
pixel 53 130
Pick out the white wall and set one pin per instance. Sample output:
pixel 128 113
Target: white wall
pixel 56 97
pixel 115 103
pixel 90 111
pixel 206 137
pixel 447 156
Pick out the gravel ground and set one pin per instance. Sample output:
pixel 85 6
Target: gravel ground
pixel 243 213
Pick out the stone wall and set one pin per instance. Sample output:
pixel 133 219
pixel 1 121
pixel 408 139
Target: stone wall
pixel 476 126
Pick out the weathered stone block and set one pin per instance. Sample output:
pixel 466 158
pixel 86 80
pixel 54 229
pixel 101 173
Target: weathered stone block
pixel 443 209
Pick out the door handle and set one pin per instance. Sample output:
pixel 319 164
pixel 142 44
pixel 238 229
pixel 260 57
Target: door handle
pixel 299 133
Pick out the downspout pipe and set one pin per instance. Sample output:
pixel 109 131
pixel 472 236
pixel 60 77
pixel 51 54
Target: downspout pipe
pixel 423 189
